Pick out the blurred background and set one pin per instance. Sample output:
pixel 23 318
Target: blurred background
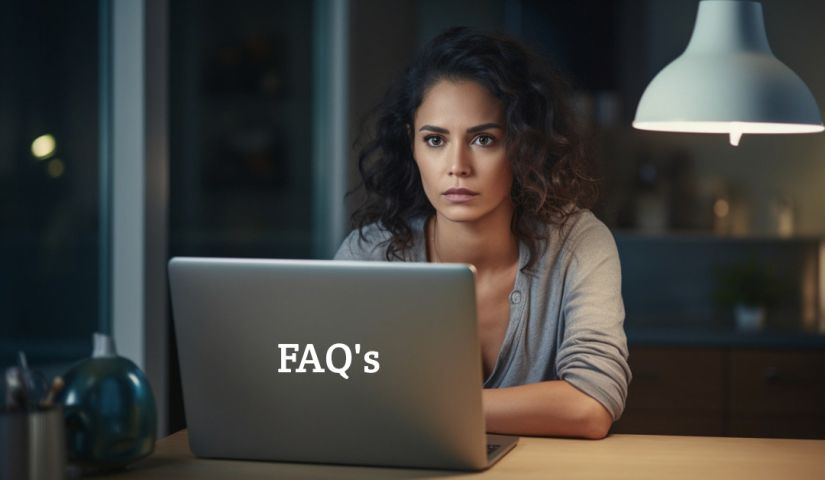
pixel 131 132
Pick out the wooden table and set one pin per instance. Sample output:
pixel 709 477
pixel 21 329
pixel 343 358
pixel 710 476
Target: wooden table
pixel 617 456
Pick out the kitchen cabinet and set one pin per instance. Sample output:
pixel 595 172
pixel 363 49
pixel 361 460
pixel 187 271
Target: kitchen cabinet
pixel 762 392
pixel 781 393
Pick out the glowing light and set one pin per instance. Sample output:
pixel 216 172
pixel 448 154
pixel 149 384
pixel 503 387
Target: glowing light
pixel 55 168
pixel 721 208
pixel 44 146
pixel 734 129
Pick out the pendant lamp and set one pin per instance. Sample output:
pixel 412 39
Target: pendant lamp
pixel 728 81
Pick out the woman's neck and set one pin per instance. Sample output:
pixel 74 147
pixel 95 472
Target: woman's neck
pixel 487 243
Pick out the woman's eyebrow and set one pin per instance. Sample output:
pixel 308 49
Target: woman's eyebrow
pixel 433 129
pixel 484 126
pixel 477 128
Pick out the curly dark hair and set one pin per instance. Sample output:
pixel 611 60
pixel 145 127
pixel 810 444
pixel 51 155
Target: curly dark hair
pixel 552 177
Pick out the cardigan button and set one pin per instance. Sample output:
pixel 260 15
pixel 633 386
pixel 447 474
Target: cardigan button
pixel 515 297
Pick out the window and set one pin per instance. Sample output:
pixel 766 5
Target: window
pixel 50 295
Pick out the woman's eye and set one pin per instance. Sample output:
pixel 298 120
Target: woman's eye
pixel 434 140
pixel 483 140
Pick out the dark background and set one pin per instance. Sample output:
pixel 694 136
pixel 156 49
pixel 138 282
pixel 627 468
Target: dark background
pixel 241 92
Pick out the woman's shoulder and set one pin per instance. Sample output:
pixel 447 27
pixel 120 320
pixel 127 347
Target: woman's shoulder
pixel 584 234
pixel 365 243
pixel 370 242
pixel 583 245
pixel 584 225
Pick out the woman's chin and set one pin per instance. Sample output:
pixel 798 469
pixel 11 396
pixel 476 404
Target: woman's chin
pixel 474 212
pixel 461 214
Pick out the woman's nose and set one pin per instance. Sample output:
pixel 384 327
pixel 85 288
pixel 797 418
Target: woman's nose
pixel 460 166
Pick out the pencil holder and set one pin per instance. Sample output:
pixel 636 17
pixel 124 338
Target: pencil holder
pixel 32 444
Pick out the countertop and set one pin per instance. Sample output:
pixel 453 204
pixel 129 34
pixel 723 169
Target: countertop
pixel 617 456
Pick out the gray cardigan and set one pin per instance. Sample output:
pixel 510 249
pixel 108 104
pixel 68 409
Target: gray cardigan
pixel 566 313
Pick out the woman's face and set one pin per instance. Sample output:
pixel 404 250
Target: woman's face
pixel 458 145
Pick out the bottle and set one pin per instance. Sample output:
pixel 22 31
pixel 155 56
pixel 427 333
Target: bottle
pixel 651 199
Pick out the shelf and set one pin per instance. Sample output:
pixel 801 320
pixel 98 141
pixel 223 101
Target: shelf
pixel 688 236
pixel 724 337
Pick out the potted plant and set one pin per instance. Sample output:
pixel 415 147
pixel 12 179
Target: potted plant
pixel 749 288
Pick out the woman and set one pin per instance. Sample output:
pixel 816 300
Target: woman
pixel 476 159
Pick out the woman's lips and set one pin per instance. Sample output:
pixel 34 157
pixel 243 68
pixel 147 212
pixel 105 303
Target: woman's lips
pixel 460 195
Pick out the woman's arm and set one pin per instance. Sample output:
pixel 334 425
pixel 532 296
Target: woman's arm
pixel 551 408
pixel 590 373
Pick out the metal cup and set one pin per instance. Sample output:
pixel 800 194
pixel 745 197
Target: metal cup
pixel 32 444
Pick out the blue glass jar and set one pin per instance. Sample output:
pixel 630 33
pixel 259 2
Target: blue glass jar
pixel 110 413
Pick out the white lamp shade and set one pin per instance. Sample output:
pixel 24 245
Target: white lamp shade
pixel 728 81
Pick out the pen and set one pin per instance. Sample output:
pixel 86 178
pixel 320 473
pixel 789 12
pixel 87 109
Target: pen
pixel 15 390
pixel 57 386
pixel 26 382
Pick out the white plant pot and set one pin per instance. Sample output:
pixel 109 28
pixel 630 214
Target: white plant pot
pixel 749 318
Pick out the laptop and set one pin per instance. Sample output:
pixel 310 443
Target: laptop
pixel 342 362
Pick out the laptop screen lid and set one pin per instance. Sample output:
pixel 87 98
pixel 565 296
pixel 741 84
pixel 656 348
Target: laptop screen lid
pixel 369 363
